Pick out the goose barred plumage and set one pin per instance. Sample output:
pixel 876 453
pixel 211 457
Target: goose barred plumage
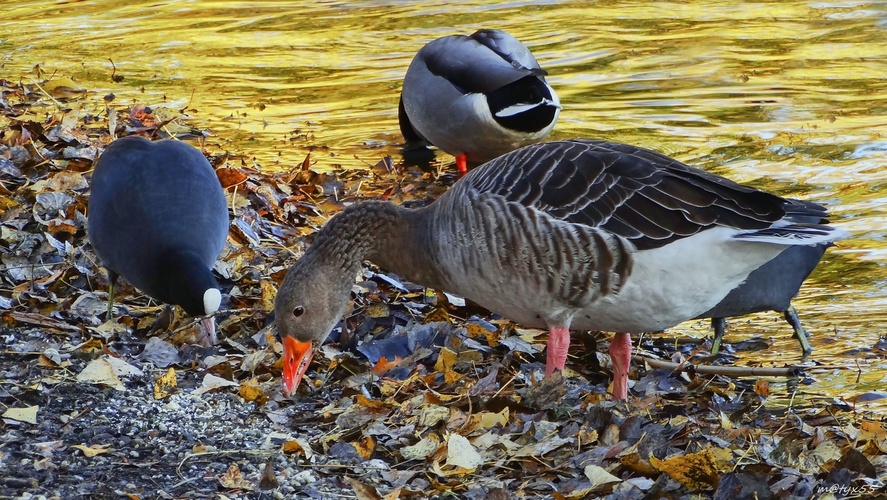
pixel 577 234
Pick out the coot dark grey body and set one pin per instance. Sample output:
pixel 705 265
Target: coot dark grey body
pixel 158 217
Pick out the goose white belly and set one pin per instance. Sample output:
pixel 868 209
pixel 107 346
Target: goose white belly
pixel 667 285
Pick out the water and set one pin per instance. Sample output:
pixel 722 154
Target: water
pixel 789 96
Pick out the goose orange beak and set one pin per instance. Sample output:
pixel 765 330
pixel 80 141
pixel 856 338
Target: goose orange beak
pixel 296 358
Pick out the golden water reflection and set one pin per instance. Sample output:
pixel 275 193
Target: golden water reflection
pixel 790 96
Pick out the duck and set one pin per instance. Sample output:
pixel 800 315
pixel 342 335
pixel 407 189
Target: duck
pixel 577 234
pixel 157 216
pixel 771 287
pixel 476 97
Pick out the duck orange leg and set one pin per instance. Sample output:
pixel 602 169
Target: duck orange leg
pixel 462 164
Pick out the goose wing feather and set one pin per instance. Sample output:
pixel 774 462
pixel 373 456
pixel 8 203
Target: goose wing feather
pixel 643 196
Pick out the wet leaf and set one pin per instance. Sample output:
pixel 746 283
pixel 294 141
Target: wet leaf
pixel 160 353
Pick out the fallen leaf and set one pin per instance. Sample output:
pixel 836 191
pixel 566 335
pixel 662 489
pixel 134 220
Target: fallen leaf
pixel 423 449
pixel 26 414
pixel 250 391
pixel 365 447
pixel 268 481
pixel 165 384
pixel 211 383
pixel 93 450
pixel 599 476
pixel 762 388
pixel 695 471
pixel 234 480
pixel 462 454
pixel 99 371
pixel 363 491
pixel 383 366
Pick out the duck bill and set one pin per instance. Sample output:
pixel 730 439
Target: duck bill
pixel 296 358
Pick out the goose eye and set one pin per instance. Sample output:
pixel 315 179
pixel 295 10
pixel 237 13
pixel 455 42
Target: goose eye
pixel 298 311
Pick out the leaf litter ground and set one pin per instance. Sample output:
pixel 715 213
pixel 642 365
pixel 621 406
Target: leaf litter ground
pixel 415 395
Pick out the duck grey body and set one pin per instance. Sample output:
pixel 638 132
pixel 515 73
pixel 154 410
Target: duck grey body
pixel 771 287
pixel 158 217
pixel 480 96
pixel 571 234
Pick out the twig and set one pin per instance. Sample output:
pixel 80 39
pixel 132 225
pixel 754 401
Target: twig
pixel 728 371
pixel 47 94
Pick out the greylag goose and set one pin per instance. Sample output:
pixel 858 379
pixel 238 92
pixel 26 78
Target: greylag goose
pixel 476 97
pixel 158 217
pixel 770 287
pixel 579 234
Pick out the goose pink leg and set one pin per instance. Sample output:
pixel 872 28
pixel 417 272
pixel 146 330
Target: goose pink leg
pixel 620 353
pixel 558 346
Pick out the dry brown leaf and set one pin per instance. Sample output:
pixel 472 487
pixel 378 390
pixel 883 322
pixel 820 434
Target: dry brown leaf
pixel 363 491
pixel 234 480
pixel 165 384
pixel 231 177
pixel 762 388
pixel 268 481
pixel 368 403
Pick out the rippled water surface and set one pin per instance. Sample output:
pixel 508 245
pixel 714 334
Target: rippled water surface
pixel 790 96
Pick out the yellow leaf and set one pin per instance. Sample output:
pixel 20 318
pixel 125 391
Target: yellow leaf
pixel 368 403
pixel 365 447
pixel 91 451
pixel 377 310
pixel 269 292
pixel 695 471
pixel 165 384
pixel 445 360
pixel 487 419
pixel 27 414
pixel 292 447
pixel 251 392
